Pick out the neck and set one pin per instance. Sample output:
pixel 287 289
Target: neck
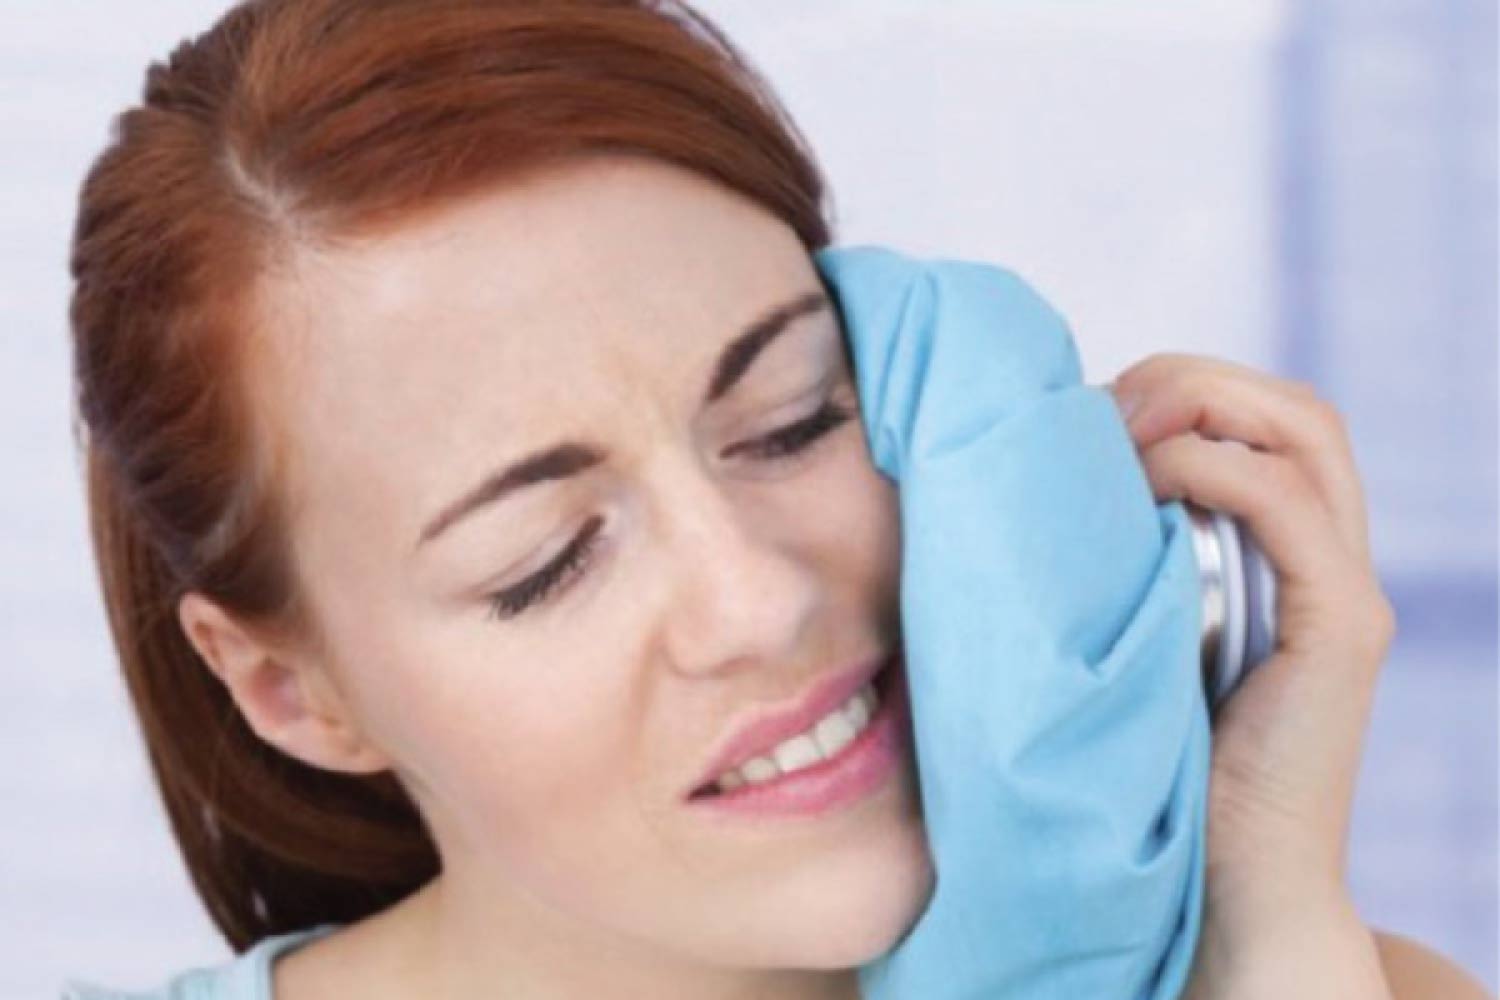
pixel 461 944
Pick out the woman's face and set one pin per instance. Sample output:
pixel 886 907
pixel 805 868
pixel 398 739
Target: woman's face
pixel 552 748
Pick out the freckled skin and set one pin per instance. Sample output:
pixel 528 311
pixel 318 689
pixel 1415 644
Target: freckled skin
pixel 550 753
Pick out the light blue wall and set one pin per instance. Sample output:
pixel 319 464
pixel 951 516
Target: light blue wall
pixel 1387 246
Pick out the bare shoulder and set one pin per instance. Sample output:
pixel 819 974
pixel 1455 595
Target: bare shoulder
pixel 1417 972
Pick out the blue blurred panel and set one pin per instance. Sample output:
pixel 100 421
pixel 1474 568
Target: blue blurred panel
pixel 1386 158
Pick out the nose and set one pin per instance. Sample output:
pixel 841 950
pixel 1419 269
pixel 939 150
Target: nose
pixel 737 594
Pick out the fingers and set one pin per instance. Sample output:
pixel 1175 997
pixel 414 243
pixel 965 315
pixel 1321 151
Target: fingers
pixel 1286 744
pixel 1266 490
pixel 1236 440
pixel 1218 400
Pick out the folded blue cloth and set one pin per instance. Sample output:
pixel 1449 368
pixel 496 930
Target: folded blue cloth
pixel 1051 616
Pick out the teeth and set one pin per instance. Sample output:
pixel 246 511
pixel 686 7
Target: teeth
pixel 827 737
pixel 859 710
pixel 834 733
pixel 758 769
pixel 799 751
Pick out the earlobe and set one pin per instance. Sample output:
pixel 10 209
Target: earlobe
pixel 323 731
pixel 289 704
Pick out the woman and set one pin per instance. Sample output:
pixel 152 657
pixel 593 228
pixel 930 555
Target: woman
pixel 445 544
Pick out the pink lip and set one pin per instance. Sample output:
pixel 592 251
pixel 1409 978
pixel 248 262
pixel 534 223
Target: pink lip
pixel 766 728
pixel 852 775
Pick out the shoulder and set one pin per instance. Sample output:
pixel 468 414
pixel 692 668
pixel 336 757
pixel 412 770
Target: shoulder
pixel 1416 972
pixel 244 977
pixel 194 984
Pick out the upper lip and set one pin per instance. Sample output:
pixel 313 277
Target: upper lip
pixel 760 729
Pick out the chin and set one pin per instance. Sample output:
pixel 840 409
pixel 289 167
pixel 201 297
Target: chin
pixel 847 911
pixel 870 922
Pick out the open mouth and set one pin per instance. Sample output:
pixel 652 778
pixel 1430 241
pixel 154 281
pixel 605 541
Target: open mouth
pixel 848 732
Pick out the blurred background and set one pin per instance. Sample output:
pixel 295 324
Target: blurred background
pixel 1307 187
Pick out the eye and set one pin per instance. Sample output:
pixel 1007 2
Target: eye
pixel 574 559
pixel 799 436
pixel 564 569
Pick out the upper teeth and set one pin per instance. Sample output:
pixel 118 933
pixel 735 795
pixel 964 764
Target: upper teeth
pixel 825 738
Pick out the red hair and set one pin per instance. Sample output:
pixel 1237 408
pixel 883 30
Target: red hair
pixel 299 120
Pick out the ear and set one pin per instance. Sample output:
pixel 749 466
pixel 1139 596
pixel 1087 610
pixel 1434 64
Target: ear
pixel 287 698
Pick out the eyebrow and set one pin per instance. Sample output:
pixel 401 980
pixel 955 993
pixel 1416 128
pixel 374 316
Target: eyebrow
pixel 568 458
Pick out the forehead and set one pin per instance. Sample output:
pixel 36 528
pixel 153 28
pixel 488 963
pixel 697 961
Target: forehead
pixel 404 364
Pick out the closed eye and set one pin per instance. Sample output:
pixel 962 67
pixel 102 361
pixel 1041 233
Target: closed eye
pixel 796 437
pixel 573 561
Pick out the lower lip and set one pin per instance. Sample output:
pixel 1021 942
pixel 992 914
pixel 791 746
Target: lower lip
pixel 857 770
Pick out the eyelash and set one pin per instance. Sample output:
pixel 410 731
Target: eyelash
pixel 780 444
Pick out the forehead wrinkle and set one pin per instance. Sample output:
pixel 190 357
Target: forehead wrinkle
pixel 601 376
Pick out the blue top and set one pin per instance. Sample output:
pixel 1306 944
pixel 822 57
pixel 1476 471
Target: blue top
pixel 245 977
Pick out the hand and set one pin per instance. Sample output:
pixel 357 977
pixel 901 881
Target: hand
pixel 1286 745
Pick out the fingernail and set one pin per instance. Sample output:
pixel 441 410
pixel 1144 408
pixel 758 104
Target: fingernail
pixel 1128 404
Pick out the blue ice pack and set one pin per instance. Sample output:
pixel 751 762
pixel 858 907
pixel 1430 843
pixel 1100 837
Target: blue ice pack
pixel 1051 618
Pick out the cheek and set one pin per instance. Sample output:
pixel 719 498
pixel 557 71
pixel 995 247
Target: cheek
pixel 883 515
pixel 508 730
pixel 534 778
pixel 864 511
pixel 515 751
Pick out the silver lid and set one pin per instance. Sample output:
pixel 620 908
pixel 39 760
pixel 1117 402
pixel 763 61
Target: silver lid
pixel 1239 600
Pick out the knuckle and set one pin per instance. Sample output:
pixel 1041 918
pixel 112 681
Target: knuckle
pixel 1326 418
pixel 1164 463
pixel 1140 371
pixel 1383 614
pixel 1375 620
pixel 1156 459
pixel 1203 383
pixel 1161 364
pixel 1281 490
pixel 1328 415
pixel 1281 480
pixel 1170 452
pixel 1302 388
